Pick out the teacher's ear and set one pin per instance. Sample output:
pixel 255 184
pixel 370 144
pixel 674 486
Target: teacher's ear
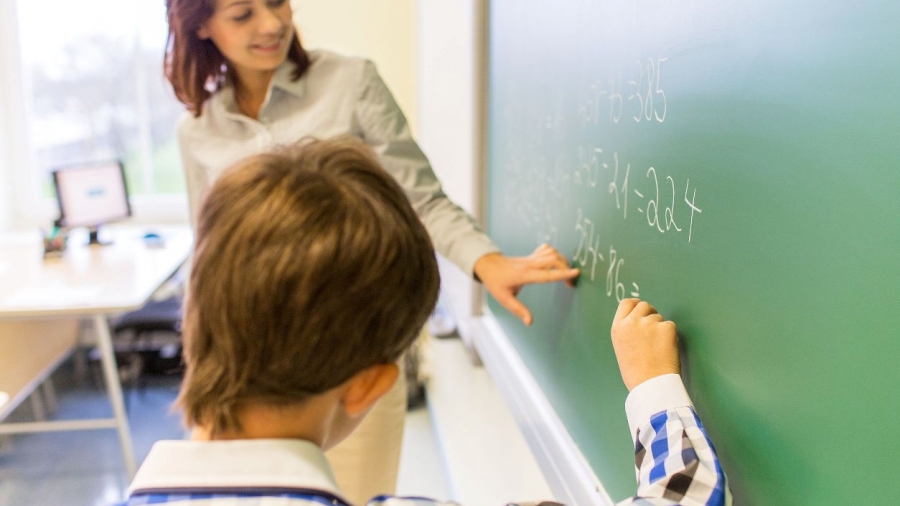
pixel 203 32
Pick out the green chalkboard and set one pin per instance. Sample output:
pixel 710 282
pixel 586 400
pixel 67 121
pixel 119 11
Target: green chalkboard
pixel 737 164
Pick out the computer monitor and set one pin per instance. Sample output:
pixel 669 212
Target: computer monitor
pixel 91 195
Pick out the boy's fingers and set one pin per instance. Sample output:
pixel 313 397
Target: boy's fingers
pixel 656 317
pixel 644 308
pixel 625 308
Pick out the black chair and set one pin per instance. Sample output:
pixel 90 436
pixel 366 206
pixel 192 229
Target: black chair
pixel 156 316
pixel 136 350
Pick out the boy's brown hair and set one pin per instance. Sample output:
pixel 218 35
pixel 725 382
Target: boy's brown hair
pixel 309 266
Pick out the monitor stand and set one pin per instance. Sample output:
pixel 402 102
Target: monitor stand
pixel 94 237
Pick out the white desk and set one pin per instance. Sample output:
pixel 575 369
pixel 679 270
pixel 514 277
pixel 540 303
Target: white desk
pixel 90 282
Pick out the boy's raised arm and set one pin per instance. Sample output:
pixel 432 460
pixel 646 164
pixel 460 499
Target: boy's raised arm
pixel 675 461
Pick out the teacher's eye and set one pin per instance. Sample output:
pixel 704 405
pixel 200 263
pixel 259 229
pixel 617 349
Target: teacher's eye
pixel 276 3
pixel 243 17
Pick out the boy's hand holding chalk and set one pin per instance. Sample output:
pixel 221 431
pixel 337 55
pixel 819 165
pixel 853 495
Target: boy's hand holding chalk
pixel 646 345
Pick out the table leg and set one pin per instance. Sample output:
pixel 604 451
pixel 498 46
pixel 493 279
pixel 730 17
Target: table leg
pixel 49 394
pixel 114 389
pixel 37 406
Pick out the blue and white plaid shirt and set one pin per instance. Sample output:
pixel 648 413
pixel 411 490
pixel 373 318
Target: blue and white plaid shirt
pixel 676 464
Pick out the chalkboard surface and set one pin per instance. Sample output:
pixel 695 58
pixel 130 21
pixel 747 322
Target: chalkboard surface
pixel 737 164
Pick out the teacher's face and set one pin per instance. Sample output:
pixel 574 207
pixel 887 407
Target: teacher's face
pixel 253 35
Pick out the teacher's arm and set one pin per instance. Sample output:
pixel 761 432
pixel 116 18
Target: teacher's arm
pixel 453 231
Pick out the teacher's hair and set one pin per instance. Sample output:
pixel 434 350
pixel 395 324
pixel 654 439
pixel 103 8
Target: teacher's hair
pixel 195 67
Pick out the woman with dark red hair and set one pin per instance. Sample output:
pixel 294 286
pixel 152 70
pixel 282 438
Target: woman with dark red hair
pixel 249 85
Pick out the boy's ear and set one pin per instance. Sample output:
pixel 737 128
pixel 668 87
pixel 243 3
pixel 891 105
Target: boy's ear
pixel 367 386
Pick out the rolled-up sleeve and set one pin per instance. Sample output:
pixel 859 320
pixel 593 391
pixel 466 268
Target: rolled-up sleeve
pixel 383 126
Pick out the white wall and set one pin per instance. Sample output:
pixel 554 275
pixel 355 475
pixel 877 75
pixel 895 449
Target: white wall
pixel 383 31
pixel 448 125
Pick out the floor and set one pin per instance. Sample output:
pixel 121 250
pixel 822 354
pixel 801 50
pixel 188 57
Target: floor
pixel 85 468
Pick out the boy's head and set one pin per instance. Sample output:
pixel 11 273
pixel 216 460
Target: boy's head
pixel 309 267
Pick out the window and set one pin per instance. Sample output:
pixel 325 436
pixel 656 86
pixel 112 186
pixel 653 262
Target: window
pixel 94 90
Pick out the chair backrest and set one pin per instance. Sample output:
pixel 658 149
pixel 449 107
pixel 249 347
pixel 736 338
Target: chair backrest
pixel 162 315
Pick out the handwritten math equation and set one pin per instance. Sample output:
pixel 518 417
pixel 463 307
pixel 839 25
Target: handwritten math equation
pixel 552 179
pixel 590 254
pixel 658 198
pixel 640 99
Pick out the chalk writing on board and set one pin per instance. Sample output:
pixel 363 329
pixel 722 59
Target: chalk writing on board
pixel 588 171
pixel 645 100
pixel 651 99
pixel 588 252
pixel 654 200
pixel 658 198
pixel 589 256
pixel 668 219
pixel 615 188
pixel 614 285
pixel 543 185
pixel 693 207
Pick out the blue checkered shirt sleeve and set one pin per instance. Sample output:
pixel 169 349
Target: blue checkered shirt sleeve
pixel 676 463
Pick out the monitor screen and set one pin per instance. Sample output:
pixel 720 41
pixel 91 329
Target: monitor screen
pixel 91 195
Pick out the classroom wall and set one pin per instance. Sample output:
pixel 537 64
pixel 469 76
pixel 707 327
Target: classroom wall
pixel 447 125
pixel 383 31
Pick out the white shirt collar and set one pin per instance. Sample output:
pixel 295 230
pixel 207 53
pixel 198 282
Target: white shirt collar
pixel 282 80
pixel 281 463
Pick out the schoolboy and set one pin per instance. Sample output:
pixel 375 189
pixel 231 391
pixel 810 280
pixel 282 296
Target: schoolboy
pixel 312 274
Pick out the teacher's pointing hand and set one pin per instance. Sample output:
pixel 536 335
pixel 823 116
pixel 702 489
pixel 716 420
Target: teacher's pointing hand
pixel 504 276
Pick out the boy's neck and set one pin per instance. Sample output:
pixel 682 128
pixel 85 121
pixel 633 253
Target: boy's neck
pixel 311 421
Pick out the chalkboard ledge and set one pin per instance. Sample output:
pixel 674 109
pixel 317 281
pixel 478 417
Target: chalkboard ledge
pixel 564 467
